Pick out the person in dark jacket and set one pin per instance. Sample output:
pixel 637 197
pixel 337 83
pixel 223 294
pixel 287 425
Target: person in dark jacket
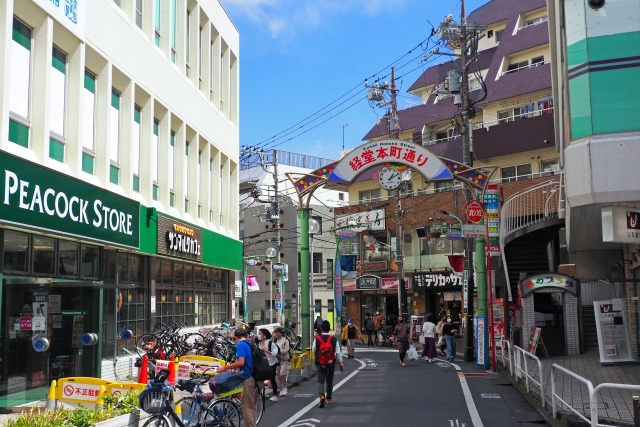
pixel 369 328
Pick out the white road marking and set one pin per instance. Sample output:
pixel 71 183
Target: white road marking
pixel 315 402
pixel 473 411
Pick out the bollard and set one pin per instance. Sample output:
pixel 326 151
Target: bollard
pixel 51 396
pixel 305 364
pixel 100 401
pixel 636 411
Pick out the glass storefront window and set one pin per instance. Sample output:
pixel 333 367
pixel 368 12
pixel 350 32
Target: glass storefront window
pixel 197 277
pixel 188 276
pixel 135 268
pixel 68 259
pixel 90 257
pixel 167 273
pixel 44 250
pixel 178 274
pixel 15 256
pixel 123 267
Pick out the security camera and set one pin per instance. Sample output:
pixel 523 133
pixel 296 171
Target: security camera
pixel 448 18
pixel 596 4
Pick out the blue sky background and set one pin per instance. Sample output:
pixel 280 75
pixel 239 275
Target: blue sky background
pixel 303 64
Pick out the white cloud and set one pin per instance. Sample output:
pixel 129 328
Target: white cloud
pixel 289 17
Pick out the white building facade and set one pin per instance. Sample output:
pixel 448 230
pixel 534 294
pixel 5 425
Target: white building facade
pixel 119 164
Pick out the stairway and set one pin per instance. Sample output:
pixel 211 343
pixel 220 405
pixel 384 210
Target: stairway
pixel 589 331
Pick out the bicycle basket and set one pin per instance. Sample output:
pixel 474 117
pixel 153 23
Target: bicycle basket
pixel 152 401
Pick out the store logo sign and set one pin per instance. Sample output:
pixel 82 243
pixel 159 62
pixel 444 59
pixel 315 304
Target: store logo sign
pixel 39 197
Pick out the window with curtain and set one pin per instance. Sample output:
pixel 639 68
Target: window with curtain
pixel 114 135
pixel 88 121
pixel 135 148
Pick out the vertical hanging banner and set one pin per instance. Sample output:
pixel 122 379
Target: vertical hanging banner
pixel 492 212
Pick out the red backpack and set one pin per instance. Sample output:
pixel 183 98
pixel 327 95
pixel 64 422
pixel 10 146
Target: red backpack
pixel 326 352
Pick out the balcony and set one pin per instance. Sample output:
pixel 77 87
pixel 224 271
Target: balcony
pixel 514 135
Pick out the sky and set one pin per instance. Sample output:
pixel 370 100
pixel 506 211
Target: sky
pixel 303 65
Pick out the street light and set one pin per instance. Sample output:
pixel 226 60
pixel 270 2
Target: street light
pixel 314 228
pixel 271 253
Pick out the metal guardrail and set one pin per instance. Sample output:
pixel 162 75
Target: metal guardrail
pixel 593 399
pixel 521 356
pixel 555 397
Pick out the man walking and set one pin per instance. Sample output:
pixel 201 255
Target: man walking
pixel 327 351
pixel 244 364
pixel 350 334
pixel 370 328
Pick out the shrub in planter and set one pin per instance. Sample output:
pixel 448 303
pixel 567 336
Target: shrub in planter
pixel 81 417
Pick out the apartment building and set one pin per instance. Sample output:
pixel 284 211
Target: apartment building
pixel 513 140
pixel 119 152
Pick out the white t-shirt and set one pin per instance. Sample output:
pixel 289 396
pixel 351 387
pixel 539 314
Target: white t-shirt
pixel 429 330
pixel 271 351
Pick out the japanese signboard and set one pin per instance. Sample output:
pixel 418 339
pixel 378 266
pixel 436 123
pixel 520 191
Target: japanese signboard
pixel 368 282
pixel 620 225
pixel 444 281
pixel 492 207
pixel 554 280
pixel 614 336
pixel 179 239
pixel 368 220
pixel 391 150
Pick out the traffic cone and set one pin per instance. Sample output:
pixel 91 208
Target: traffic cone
pixel 172 370
pixel 51 396
pixel 143 375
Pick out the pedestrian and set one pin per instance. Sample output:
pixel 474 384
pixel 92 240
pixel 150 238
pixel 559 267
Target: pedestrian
pixel 317 325
pixel 326 358
pixel 441 311
pixel 285 356
pixel 455 314
pixel 379 320
pixel 244 365
pixel 450 333
pixel 402 338
pixel 429 332
pixel 271 350
pixel 369 328
pixel 441 342
pixel 351 333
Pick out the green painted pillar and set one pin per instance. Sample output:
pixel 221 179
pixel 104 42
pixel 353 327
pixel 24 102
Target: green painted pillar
pixel 305 308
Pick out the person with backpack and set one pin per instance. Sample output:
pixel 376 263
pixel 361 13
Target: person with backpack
pixel 350 334
pixel 327 351
pixel 271 349
pixel 284 357
pixel 244 364
pixel 317 325
pixel 369 328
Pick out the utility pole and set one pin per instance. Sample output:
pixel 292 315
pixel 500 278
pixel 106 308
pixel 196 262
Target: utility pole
pixel 458 85
pixel 273 215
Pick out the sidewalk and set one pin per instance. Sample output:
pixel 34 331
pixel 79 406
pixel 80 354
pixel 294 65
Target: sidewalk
pixel 615 406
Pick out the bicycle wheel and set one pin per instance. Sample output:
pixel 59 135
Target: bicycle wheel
pixel 222 413
pixel 124 369
pixel 191 411
pixel 158 421
pixel 147 344
pixel 260 406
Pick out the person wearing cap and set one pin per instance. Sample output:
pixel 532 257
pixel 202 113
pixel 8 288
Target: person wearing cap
pixel 281 371
pixel 244 365
pixel 350 334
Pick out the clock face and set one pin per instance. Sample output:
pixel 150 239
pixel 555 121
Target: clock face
pixel 390 178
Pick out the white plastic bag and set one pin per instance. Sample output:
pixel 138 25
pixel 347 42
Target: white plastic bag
pixel 412 353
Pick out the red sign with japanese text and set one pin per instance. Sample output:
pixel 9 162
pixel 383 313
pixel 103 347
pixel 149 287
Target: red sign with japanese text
pixel 474 212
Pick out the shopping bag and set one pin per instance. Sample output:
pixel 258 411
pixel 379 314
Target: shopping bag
pixel 421 339
pixel 412 353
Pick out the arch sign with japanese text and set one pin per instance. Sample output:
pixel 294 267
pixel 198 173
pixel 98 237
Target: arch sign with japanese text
pixel 391 150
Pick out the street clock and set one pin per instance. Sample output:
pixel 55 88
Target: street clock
pixel 390 178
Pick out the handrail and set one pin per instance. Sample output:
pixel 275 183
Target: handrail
pixel 522 353
pixel 555 397
pixel 529 206
pixel 593 398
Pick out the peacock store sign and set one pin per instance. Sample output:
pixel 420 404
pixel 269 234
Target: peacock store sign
pixel 41 198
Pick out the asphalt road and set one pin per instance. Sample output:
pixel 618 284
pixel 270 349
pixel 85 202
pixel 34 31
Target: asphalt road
pixel 374 390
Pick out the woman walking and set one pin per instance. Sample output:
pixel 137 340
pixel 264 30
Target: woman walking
pixel 271 351
pixel 401 337
pixel 440 333
pixel 429 332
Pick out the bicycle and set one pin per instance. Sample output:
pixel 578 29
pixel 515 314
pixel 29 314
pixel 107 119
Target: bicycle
pixel 198 409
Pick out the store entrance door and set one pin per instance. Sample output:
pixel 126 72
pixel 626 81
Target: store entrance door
pixel 58 312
